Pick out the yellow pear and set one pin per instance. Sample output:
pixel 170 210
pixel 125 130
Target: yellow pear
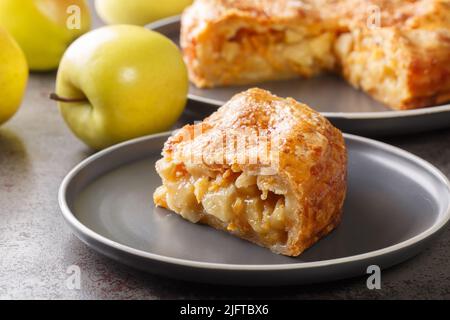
pixel 13 76
pixel 138 12
pixel 44 28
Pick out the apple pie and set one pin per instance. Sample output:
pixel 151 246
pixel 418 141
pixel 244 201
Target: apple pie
pixel 268 170
pixel 395 50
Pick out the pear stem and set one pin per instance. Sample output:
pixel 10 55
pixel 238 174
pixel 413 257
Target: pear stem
pixel 55 97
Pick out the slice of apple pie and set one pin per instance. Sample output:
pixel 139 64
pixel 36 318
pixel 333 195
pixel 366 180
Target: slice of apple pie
pixel 266 169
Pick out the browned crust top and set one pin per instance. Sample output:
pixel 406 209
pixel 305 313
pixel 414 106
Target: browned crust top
pixel 297 137
pixel 346 13
pixel 217 9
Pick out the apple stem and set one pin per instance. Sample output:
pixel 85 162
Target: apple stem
pixel 58 98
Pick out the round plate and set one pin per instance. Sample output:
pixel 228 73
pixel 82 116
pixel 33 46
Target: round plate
pixel 396 203
pixel 350 110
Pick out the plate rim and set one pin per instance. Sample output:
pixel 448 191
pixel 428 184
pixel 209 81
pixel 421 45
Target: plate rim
pixel 79 227
pixel 332 115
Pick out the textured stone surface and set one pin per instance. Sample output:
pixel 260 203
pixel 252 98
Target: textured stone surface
pixel 36 247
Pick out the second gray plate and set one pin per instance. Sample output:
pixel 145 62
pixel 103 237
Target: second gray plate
pixel 350 110
pixel 396 204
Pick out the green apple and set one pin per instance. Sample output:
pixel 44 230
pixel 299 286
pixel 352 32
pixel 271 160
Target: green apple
pixel 120 82
pixel 44 28
pixel 13 76
pixel 139 12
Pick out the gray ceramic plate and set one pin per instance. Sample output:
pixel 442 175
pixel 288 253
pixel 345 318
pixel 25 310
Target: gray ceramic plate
pixel 396 203
pixel 350 110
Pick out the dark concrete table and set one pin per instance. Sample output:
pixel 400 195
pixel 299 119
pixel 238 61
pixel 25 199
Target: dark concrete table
pixel 36 246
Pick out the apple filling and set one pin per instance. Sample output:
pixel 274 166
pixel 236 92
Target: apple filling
pixel 282 48
pixel 246 53
pixel 237 200
pixel 385 76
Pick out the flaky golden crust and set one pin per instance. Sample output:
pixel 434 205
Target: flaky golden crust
pixel 228 42
pixel 307 163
